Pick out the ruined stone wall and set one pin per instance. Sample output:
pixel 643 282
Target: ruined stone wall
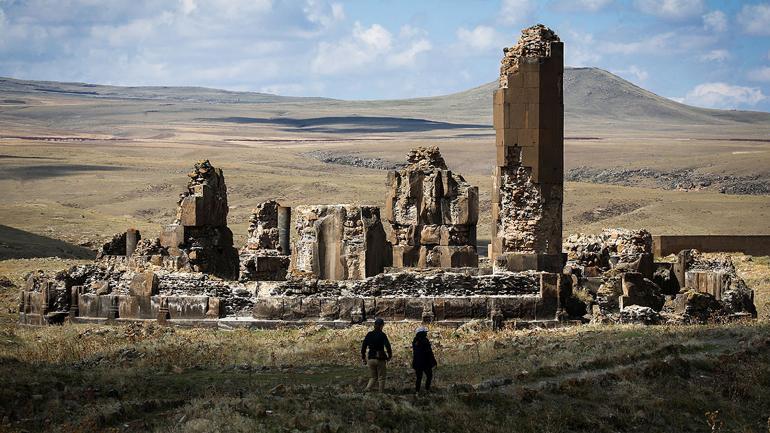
pixel 339 242
pixel 199 238
pixel 528 116
pixel 263 257
pixel 432 213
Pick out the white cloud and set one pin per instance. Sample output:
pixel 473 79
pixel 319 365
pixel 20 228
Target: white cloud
pixel 755 19
pixel 323 13
pixel 715 21
pixel 516 12
pixel 582 51
pixel 369 46
pixel 633 73
pixel 479 38
pixel 188 6
pixel 723 95
pixel 760 74
pixel 670 9
pixel 719 55
pixel 408 57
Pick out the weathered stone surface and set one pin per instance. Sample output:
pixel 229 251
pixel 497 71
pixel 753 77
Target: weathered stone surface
pixel 199 240
pixel 610 248
pixel 528 116
pixel 205 201
pixel 144 284
pixel 339 242
pixel 432 213
pixel 263 258
pixel 638 290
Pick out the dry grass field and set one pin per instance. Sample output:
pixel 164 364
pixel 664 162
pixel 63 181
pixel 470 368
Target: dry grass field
pixel 78 167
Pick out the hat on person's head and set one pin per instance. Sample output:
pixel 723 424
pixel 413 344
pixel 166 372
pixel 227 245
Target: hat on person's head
pixel 379 321
pixel 421 329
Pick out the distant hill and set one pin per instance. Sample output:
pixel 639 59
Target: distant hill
pixel 591 95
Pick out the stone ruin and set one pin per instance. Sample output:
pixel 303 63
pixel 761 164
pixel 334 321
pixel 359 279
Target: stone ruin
pixel 528 117
pixel 199 240
pixel 417 262
pixel 616 271
pixel 432 213
pixel 266 255
pixel 339 242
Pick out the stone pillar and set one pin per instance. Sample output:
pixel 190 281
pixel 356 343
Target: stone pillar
pixel 284 229
pixel 528 116
pixel 132 237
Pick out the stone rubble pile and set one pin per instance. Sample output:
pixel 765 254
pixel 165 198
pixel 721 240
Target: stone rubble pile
pixel 417 284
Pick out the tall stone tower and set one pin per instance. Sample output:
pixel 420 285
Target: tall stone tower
pixel 528 116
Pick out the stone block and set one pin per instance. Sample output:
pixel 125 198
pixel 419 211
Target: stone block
pixel 268 308
pixel 457 308
pixel 214 309
pixel 405 256
pixel 292 309
pixel 414 308
pixel 390 308
pixel 187 307
pixel 479 307
pixel 172 236
pixel 135 307
pixel 349 308
pixel 430 234
pixel 88 305
pixel 311 308
pixel 439 305
pixel 144 284
pixel 369 306
pixel 330 309
pixel 498 116
pixel 517 262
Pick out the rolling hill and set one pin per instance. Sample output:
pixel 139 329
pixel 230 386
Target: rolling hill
pixel 591 95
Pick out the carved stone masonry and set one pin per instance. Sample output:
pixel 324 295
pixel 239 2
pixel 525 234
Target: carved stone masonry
pixel 265 256
pixel 199 239
pixel 339 242
pixel 528 117
pixel 432 213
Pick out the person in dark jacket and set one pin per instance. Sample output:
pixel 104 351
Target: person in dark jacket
pixel 423 359
pixel 379 354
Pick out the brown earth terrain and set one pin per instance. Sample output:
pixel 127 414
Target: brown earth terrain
pixel 81 162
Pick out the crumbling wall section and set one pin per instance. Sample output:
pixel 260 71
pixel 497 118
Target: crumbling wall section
pixel 339 242
pixel 432 213
pixel 528 116
pixel 199 240
pixel 263 257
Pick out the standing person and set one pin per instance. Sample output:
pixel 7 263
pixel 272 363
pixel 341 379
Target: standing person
pixel 423 359
pixel 379 354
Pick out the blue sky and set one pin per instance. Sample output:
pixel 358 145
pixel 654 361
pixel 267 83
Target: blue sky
pixel 706 53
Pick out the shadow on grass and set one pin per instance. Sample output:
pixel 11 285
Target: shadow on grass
pixel 351 124
pixel 35 172
pixel 19 244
